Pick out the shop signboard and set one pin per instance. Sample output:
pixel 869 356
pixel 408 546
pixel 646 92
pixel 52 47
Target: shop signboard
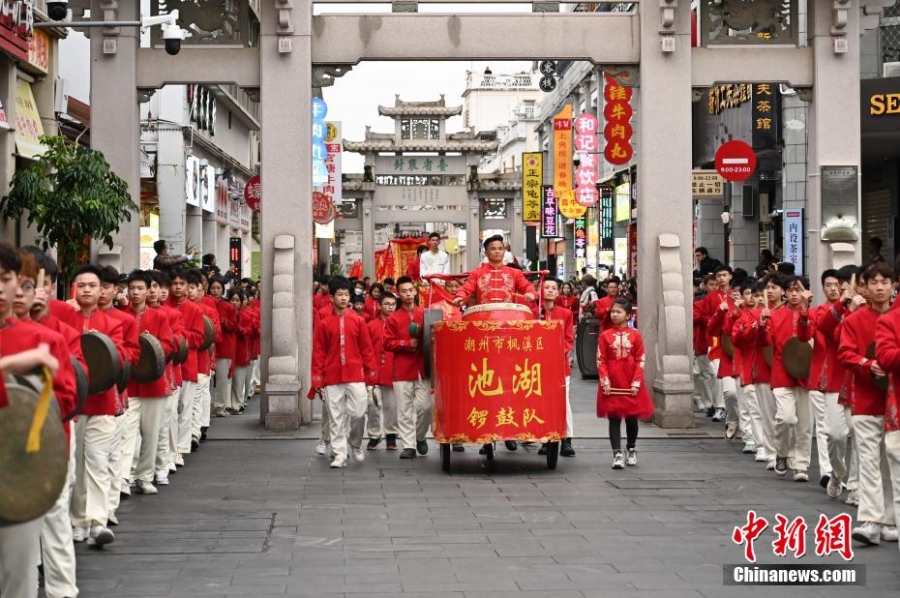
pixel 333 188
pixel 706 183
pixel 765 115
pixel 28 122
pixel 222 200
pixel 549 214
pixel 16 27
pixel 840 201
pixel 192 181
pixel 420 165
pixel 793 238
pixel 580 238
pixel 253 193
pixel 234 213
pixel 618 130
pixel 208 196
pixel 607 222
pixel 532 181
pixel 39 51
pixel 562 151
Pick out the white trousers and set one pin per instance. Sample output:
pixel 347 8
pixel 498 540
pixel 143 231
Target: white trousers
pixel 767 408
pixel 185 416
pixel 730 392
pixel 168 433
pixel 752 414
pixel 94 436
pixel 892 452
pixel 239 386
pixel 200 418
pixel 20 547
pixel 793 435
pixel 113 492
pixel 223 385
pixel 325 435
pixel 145 419
pixel 414 410
pixel 254 378
pixel 570 422
pixel 346 404
pixel 57 547
pixel 876 496
pixel 711 386
pixel 821 404
pixel 842 451
pixel 381 420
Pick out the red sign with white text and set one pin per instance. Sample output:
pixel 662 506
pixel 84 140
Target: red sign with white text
pixel 735 161
pixel 499 380
pixel 253 193
pixel 618 130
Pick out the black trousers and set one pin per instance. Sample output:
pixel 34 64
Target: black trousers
pixel 615 432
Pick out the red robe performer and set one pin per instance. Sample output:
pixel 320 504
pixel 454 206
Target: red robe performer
pixel 620 363
pixel 492 282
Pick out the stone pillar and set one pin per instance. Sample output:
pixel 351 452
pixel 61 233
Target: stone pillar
pixel 115 122
pixel 8 230
pixel 193 228
pixel 473 232
pixel 210 242
pixel 286 107
pixel 367 217
pixel 170 187
pixel 834 123
pixel 664 215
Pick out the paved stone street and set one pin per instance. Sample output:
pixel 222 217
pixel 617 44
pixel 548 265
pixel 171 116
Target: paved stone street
pixel 268 517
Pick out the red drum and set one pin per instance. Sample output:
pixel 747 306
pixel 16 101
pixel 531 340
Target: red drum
pixel 498 312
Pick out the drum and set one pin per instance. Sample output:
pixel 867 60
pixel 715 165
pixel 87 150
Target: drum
pixel 81 389
pixel 797 357
pixel 30 483
pixel 431 316
pixel 181 354
pixel 102 358
pixel 152 363
pixel 209 334
pixel 498 312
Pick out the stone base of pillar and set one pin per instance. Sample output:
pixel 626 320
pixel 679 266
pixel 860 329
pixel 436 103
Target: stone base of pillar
pixel 284 407
pixel 673 401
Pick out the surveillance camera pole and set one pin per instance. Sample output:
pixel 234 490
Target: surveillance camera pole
pixel 77 24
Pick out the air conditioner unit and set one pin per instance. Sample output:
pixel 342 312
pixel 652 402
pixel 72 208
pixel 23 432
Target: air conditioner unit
pixel 748 201
pixel 61 96
pixel 890 69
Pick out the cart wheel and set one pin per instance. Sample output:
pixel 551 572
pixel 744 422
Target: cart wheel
pixel 489 451
pixel 552 454
pixel 445 457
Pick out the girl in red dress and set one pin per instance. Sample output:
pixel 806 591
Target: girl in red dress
pixel 622 393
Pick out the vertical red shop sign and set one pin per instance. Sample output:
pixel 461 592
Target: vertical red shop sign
pixel 618 130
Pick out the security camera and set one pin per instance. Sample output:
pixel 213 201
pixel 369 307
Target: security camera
pixel 58 10
pixel 172 36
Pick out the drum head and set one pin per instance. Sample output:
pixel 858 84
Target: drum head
pixel 181 354
pixel 152 363
pixel 81 389
pixel 209 333
pixel 797 357
pixel 431 316
pixel 30 483
pixel 498 307
pixel 124 376
pixel 102 358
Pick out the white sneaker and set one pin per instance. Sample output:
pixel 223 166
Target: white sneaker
pixel 770 466
pixel 618 460
pixel 718 415
pixel 338 463
pixel 321 448
pixel 749 447
pixel 889 533
pixel 834 487
pixel 869 533
pixel 630 457
pixel 179 460
pixel 852 498
pixel 801 475
pixel 100 536
pixel 761 456
pixel 146 487
pixel 112 519
pixel 173 468
pixel 162 479
pixel 358 455
pixel 125 488
pixel 80 534
pixel 730 431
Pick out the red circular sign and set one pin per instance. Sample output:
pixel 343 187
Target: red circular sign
pixel 323 208
pixel 735 161
pixel 253 193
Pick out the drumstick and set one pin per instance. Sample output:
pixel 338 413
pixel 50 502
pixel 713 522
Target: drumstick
pixel 620 391
pixel 35 309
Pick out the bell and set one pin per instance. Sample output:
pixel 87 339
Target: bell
pixel 413 329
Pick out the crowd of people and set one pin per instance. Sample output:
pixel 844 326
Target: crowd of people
pixel 202 336
pixel 777 369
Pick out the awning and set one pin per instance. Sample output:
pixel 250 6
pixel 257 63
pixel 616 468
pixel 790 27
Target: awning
pixel 28 122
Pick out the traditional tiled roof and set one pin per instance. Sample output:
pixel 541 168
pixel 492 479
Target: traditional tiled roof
pixel 432 108
pixel 416 145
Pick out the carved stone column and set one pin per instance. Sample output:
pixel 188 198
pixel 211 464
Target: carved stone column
pixel 367 217
pixel 664 216
pixel 115 122
pixel 473 232
pixel 286 107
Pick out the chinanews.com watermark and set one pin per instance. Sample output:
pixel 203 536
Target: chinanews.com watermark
pixel 831 535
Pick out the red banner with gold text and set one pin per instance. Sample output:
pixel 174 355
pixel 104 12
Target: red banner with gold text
pixel 499 381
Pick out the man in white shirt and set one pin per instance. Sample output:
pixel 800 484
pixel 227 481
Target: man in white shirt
pixel 434 261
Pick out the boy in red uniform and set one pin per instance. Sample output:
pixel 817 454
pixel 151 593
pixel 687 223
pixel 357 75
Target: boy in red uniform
pixel 225 343
pixel 868 404
pixel 411 387
pixel 793 440
pixel 342 365
pixel 96 428
pixel 705 311
pixel 382 410
pixel 166 452
pixel 887 354
pixel 205 362
pixel 493 282
pixel 741 319
pixel 706 384
pixel 601 307
pixel 549 310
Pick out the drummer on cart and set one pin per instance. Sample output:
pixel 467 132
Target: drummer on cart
pixel 494 282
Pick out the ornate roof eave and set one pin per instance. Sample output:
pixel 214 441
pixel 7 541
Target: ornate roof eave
pixel 420 110
pixel 474 145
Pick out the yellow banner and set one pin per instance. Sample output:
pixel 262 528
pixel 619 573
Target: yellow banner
pixel 562 151
pixel 532 180
pixel 28 122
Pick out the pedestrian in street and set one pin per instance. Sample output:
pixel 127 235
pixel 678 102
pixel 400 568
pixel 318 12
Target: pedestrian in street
pixel 622 393
pixel 165 262
pixel 343 364
pixel 381 414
